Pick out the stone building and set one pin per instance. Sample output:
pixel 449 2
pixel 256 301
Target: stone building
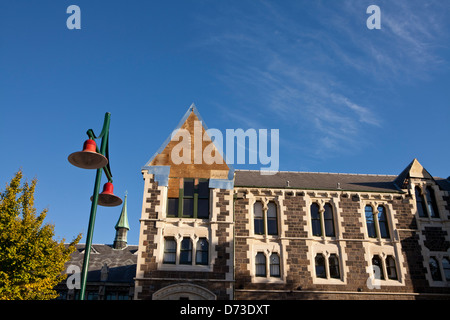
pixel 211 232
pixel 111 268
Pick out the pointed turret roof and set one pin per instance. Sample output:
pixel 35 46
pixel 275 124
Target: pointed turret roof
pixel 413 170
pixel 123 219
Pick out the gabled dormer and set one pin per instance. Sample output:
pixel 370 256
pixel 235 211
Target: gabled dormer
pixel 425 189
pixel 189 163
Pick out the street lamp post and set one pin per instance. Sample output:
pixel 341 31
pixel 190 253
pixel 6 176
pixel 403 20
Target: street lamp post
pixel 92 158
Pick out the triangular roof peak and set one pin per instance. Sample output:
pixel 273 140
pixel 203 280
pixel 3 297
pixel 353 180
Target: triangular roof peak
pixel 189 152
pixel 413 170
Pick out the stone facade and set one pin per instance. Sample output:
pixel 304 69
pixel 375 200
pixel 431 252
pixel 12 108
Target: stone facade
pixel 291 235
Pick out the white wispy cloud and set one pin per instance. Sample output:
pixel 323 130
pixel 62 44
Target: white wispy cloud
pixel 301 70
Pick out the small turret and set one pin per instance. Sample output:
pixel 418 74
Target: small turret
pixel 122 228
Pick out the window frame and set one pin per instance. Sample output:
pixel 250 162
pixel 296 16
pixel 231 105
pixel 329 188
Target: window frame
pixel 264 222
pixel 195 199
pixel 376 231
pixel 426 202
pixel 322 221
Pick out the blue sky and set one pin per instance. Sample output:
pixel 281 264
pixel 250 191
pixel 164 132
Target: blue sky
pixel 345 98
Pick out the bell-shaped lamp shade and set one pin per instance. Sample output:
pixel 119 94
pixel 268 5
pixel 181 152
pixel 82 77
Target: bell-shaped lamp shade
pixel 107 198
pixel 89 158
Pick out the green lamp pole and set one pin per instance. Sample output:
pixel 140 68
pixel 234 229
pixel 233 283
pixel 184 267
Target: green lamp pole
pixel 89 160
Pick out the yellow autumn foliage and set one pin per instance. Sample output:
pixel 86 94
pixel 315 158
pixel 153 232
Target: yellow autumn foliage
pixel 31 262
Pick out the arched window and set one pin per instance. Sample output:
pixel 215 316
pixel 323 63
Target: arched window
pixel 377 267
pixel 201 252
pixel 391 268
pixel 320 266
pixel 258 219
pixel 333 263
pixel 328 220
pixel 272 226
pixel 420 203
pixel 370 222
pixel 260 264
pixel 431 201
pixel 383 223
pixel 170 250
pixel 435 270
pixel 186 251
pixel 315 220
pixel 274 265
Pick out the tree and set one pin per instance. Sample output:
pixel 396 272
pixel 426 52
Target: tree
pixel 31 262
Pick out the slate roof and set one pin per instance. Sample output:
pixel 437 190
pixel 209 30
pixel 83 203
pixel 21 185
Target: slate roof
pixel 121 263
pixel 317 181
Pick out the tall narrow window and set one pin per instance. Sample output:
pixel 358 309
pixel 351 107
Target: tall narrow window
pixel 446 267
pixel 377 267
pixel 431 201
pixel 274 265
pixel 315 220
pixel 173 195
pixel 260 264
pixel 188 198
pixel 203 199
pixel 383 223
pixel 272 226
pixel 320 266
pixel 201 252
pixel 328 220
pixel 170 250
pixel 435 270
pixel 420 203
pixel 370 222
pixel 258 218
pixel 333 263
pixel 391 268
pixel 186 251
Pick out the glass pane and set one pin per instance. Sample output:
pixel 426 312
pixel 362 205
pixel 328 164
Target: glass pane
pixel 377 268
pixel 431 200
pixel 272 210
pixel 391 269
pixel 203 189
pixel 188 207
pixel 170 249
pixel 274 265
pixel 186 251
pixel 370 223
pixel 420 203
pixel 203 208
pixel 446 266
pixel 333 262
pixel 382 222
pixel 272 227
pixel 258 218
pixel 434 269
pixel 315 220
pixel 257 210
pixel 188 187
pixel 328 220
pixel 172 210
pixel 260 264
pixel 202 252
pixel 320 266
pixel 259 226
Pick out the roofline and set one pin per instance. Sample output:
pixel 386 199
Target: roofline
pixel 336 173
pixel 319 189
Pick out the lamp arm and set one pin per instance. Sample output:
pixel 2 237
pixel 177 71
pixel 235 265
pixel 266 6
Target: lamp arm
pixel 104 135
